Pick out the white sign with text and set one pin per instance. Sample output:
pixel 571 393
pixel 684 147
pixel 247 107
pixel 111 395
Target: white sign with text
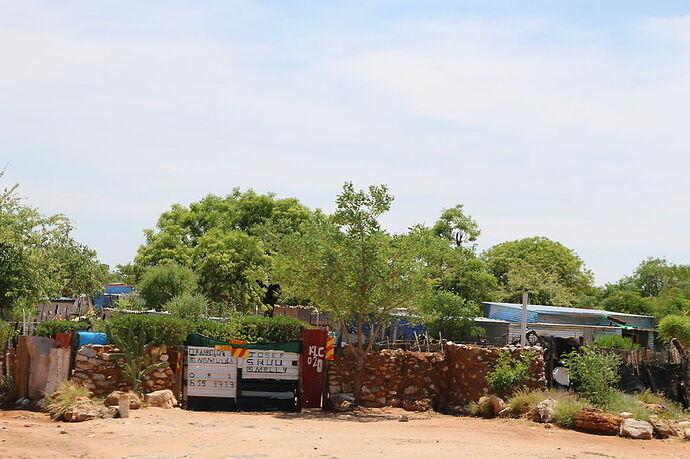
pixel 211 372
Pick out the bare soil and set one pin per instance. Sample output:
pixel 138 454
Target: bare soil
pixel 159 433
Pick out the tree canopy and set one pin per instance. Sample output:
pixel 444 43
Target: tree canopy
pixel 39 258
pixel 222 240
pixel 550 272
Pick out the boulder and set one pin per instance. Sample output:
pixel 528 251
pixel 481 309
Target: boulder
pixel 634 428
pixel 664 428
pixel 497 403
pixel 83 409
pixel 686 433
pixel 113 399
pixel 596 421
pixel 485 408
pixel 545 411
pixel 161 398
pixel 423 404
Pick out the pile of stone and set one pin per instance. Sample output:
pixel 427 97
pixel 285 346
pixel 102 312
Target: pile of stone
pixel 94 369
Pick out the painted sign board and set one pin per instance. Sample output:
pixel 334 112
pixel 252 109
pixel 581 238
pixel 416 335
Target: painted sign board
pixel 263 364
pixel 211 372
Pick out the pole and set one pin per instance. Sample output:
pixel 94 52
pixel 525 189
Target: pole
pixel 523 322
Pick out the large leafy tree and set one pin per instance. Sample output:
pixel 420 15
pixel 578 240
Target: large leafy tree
pixel 549 271
pixel 162 283
pixel 39 259
pixel 222 240
pixel 346 264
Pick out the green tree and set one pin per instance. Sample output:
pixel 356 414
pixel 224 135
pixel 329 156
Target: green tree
pixel 675 327
pixel 346 264
pixel 547 269
pixel 160 284
pixel 222 240
pixel 39 259
pixel 455 226
pixel 450 315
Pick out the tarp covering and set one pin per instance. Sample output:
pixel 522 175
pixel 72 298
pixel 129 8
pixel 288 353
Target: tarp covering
pixel 195 339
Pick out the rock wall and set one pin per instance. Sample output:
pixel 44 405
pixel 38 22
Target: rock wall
pixel 94 369
pixel 418 381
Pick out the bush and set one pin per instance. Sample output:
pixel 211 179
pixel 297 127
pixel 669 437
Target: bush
pixel 675 410
pixel 614 342
pixel 64 397
pixel 594 374
pixel 6 332
pixel 259 329
pixel 131 302
pixel 524 401
pixel 675 327
pixel 8 390
pixel 510 372
pixel 160 284
pixel 188 306
pixel 159 329
pixel 217 330
pixel 565 410
pixel 50 328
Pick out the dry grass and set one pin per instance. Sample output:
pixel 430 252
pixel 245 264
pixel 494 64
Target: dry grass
pixel 64 397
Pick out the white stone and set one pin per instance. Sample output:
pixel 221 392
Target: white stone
pixel 634 428
pixel 546 410
pixel 626 415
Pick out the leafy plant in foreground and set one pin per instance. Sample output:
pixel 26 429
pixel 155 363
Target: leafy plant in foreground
pixel 137 358
pixel 510 372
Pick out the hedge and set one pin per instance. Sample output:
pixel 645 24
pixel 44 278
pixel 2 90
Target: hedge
pixel 159 329
pixel 50 328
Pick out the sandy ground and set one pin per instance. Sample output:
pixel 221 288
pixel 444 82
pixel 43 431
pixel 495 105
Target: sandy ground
pixel 159 433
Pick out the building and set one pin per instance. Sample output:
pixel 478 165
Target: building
pixel 578 323
pixel 111 293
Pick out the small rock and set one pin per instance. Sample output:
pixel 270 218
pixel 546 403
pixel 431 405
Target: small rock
pixel 547 426
pixel 656 407
pixel 63 432
pixel 161 398
pixel 113 399
pixel 664 428
pixel 83 409
pixel 634 428
pixel 686 433
pixel 626 415
pixel 545 411
pixel 498 403
pixel 403 418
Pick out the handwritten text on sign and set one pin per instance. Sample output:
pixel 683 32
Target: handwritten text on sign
pixel 261 364
pixel 211 372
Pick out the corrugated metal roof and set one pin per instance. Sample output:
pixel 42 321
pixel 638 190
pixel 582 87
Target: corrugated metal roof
pixel 537 308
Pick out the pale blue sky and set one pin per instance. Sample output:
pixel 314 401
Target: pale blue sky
pixel 560 119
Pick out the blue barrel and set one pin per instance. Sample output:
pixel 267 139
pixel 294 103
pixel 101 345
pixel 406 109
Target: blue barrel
pixel 90 337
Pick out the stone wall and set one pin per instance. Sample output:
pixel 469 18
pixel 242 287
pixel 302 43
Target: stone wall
pixel 94 369
pixel 420 380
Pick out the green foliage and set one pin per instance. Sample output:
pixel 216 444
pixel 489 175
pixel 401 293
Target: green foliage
pixel 64 397
pixel 675 327
pixel 137 357
pixel 217 330
pixel 158 329
pixel 131 301
pixel 549 271
pixel 50 328
pixel 614 342
pixel 39 259
pixel 448 314
pixel 594 374
pixel 456 227
pixel 223 240
pixel 188 305
pixel 6 332
pixel 510 373
pixel 674 409
pixel 564 411
pixel 160 284
pixel 259 329
pixel 8 390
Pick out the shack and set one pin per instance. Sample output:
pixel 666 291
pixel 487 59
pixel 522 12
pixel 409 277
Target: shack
pixel 579 323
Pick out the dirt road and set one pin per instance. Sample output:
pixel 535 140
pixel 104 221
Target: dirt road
pixel 158 433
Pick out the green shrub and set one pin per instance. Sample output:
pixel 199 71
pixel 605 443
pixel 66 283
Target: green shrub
pixel 217 330
pixel 136 358
pixel 131 302
pixel 64 397
pixel 614 342
pixel 675 327
pixel 524 400
pixel 188 305
pixel 260 329
pixel 510 372
pixel 159 284
pixel 675 409
pixel 159 329
pixel 6 332
pixel 50 328
pixel 8 391
pixel 594 374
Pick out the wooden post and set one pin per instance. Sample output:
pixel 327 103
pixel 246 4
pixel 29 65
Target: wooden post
pixel 523 321
pixel 22 367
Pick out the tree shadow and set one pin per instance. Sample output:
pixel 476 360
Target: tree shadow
pixel 358 415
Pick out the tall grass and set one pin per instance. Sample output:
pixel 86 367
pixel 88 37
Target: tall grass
pixel 64 397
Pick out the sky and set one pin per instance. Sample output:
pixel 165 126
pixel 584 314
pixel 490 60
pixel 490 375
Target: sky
pixel 567 120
